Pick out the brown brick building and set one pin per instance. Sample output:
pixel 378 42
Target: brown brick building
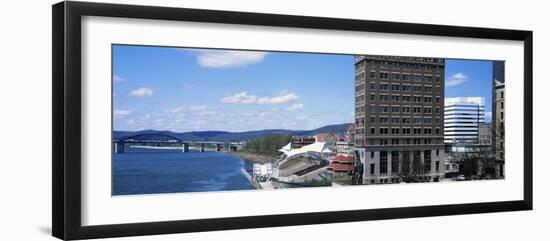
pixel 399 106
pixel 498 116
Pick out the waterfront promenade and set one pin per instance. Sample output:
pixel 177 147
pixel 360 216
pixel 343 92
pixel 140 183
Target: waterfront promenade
pixel 250 179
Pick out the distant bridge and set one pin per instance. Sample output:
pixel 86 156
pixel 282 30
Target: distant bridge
pixel 163 141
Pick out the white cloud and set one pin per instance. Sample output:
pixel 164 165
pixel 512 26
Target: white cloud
pixel 295 107
pixel 228 59
pixel 200 110
pixel 118 78
pixel 121 113
pixel 456 79
pixel 278 99
pixel 245 98
pixel 141 92
pixel 240 98
pixel 175 110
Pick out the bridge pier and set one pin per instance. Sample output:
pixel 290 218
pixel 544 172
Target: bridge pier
pixel 185 147
pixel 119 147
pixel 202 148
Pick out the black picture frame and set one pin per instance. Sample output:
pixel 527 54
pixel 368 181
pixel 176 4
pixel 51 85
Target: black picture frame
pixel 66 127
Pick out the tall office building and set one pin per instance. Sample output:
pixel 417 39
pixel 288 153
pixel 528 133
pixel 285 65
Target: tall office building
pixel 463 119
pixel 498 116
pixel 486 134
pixel 399 118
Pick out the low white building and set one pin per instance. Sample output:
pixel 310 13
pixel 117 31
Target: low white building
pixel 262 170
pixel 344 148
pixel 463 118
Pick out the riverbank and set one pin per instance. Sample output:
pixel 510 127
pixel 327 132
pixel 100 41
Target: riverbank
pixel 253 157
pixel 252 181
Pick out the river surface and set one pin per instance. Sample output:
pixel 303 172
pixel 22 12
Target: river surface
pixel 147 171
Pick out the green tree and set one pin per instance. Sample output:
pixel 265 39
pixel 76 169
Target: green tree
pixel 269 145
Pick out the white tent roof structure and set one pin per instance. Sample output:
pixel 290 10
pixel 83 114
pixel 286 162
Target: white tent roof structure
pixel 286 148
pixel 318 147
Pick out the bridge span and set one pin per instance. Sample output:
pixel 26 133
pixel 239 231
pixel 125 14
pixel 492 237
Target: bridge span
pixel 167 142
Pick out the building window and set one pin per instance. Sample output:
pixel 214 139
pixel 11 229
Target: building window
pixel 428 160
pixel 383 162
pixel 372 169
pixel 405 167
pixel 372 130
pixel 395 87
pixel 416 162
pixel 395 98
pixel 395 161
pixel 427 131
pixel 395 131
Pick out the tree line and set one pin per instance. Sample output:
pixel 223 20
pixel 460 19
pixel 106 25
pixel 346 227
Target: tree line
pixel 269 145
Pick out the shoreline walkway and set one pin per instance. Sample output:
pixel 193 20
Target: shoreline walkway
pixel 252 181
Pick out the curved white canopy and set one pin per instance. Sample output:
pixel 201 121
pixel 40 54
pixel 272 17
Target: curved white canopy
pixel 318 147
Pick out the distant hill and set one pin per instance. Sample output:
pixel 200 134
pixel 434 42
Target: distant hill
pixel 236 136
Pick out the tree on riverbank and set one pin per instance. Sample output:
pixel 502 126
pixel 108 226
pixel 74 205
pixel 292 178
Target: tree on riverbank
pixel 269 145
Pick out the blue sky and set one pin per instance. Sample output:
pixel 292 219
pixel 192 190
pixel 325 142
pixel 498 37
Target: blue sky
pixel 192 89
pixel 470 78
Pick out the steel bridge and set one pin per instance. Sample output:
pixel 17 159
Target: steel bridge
pixel 163 141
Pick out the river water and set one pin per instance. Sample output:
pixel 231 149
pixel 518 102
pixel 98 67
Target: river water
pixel 147 171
